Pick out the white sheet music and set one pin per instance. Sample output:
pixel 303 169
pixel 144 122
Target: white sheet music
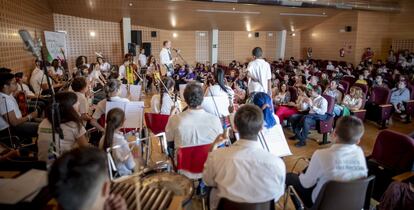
pixel 135 91
pixel 222 103
pixel 124 91
pixel 276 140
pixel 133 110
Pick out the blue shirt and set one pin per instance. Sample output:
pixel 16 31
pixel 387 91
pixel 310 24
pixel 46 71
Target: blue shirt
pixel 399 95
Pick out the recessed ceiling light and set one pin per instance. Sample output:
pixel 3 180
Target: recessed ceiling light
pixel 202 34
pixel 293 34
pixel 175 35
pixel 234 8
pixel 130 4
pixel 92 34
pixel 249 35
pixel 270 34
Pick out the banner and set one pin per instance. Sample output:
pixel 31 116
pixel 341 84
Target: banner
pixel 55 43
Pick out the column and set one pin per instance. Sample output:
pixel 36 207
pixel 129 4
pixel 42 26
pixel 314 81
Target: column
pixel 214 46
pixel 126 33
pixel 281 44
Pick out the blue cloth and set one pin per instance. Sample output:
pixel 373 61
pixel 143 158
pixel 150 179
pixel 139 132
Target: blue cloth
pixel 261 99
pixel 399 95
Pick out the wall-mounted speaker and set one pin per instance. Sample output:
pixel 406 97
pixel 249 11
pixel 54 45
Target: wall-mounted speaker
pixel 132 49
pixel 348 28
pixel 147 47
pixel 153 34
pixel 256 34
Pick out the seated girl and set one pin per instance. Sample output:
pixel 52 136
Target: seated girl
pixel 112 90
pixel 164 104
pixel 351 102
pixel 74 134
pixel 122 156
pixel 301 105
pixel 283 97
pixel 219 88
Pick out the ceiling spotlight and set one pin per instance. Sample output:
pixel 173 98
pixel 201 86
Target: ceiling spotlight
pixel 270 34
pixel 130 4
pixel 175 35
pixel 249 35
pixel 234 8
pixel 202 34
pixel 92 34
pixel 324 13
pixel 293 34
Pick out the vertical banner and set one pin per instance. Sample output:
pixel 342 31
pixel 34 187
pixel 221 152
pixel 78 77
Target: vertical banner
pixel 55 43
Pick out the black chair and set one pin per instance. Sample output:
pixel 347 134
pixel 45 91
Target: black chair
pixel 226 204
pixel 351 195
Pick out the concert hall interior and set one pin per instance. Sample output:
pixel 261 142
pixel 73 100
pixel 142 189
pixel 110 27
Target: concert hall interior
pixel 207 104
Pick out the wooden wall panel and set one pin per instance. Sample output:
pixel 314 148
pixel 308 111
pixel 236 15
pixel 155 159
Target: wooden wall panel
pixel 32 15
pixel 326 39
pixel 402 24
pixel 293 46
pixel 156 42
pixel 107 40
pixel 202 46
pixel 185 41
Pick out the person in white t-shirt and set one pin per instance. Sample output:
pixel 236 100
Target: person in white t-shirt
pixel 80 87
pixel 142 58
pixel 122 156
pixel 112 90
pixel 11 114
pixel 259 74
pixel 244 172
pixel 74 134
pixel 166 104
pixel 343 161
pixel 38 79
pixel 219 88
pixel 95 77
pixel 104 66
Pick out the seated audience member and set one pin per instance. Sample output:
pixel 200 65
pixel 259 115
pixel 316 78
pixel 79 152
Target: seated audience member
pixel 351 102
pixel 399 195
pixel 301 124
pixel 270 131
pixel 300 80
pixel 330 66
pixel 333 91
pixel 219 88
pixel 122 156
pixel 191 75
pixel 361 80
pixel 79 180
pixel 80 87
pixel 343 161
pixel 38 79
pixel 11 114
pixel 398 95
pixel 313 81
pixel 112 90
pixel 244 172
pixel 74 134
pixel 193 126
pixel 324 80
pixel 165 104
pixel 379 82
pixel 283 96
pixel 239 94
pixel 301 105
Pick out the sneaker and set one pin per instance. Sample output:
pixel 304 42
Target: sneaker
pixel 300 144
pixel 293 138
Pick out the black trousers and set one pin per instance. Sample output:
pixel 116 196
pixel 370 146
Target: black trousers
pixel 305 194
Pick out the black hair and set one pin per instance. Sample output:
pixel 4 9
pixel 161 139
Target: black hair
pixel 5 70
pixel 75 177
pixel 193 95
pixel 219 77
pixel 165 42
pixel 78 84
pixel 79 61
pixel 111 86
pixel 249 121
pixel 18 75
pixel 257 52
pixel 114 119
pixel 66 100
pixel 5 79
pixel 317 89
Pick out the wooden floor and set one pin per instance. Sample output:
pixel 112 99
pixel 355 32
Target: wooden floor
pixel 367 142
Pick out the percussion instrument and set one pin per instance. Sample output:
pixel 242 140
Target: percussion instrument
pixel 178 184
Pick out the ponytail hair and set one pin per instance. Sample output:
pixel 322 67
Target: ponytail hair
pixel 219 77
pixel 114 119
pixel 110 87
pixel 169 83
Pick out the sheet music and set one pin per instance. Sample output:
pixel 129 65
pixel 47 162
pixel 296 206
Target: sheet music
pixel 134 111
pixel 135 91
pixel 276 141
pixel 14 190
pixel 222 103
pixel 124 91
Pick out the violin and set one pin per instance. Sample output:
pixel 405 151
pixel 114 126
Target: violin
pixel 21 99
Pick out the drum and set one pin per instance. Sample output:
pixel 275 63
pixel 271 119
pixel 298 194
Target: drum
pixel 178 184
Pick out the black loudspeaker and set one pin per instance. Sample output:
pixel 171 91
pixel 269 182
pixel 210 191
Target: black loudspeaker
pixel 153 34
pixel 131 49
pixel 348 28
pixel 147 47
pixel 256 34
pixel 136 37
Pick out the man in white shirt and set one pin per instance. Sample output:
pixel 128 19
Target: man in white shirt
pixel 343 161
pixel 244 172
pixel 193 126
pixel 330 66
pixel 259 74
pixel 142 58
pixel 166 58
pixel 38 79
pixel 301 124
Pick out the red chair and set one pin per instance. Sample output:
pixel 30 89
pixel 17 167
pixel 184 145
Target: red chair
pixel 190 160
pixel 393 154
pixel 345 86
pixel 325 126
pixel 350 79
pixel 379 107
pixel 156 122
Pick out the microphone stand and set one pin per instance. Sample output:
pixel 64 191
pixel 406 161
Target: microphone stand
pixel 181 57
